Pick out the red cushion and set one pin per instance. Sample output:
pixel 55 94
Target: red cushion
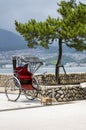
pixel 24 77
pixel 23 73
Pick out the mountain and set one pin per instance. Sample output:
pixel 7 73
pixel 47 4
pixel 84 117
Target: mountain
pixel 11 41
pixel 13 44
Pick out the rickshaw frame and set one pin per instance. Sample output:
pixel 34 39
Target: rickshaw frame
pixel 23 79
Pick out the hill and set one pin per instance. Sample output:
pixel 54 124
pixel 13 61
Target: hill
pixel 11 41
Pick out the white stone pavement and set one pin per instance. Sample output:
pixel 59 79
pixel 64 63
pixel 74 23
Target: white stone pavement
pixel 70 116
pixel 21 103
pixel 30 115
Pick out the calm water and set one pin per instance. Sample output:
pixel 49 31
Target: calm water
pixel 68 70
pixel 49 69
pixel 6 58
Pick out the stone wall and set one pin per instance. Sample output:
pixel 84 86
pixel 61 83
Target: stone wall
pixel 3 79
pixel 65 93
pixel 70 89
pixel 49 79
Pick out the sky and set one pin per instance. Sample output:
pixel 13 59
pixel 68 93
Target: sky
pixel 24 10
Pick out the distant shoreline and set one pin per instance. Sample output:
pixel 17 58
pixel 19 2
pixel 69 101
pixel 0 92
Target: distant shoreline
pixel 48 69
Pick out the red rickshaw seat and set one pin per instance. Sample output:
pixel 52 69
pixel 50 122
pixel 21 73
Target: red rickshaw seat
pixel 23 73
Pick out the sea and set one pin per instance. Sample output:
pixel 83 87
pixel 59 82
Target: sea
pixel 6 61
pixel 47 69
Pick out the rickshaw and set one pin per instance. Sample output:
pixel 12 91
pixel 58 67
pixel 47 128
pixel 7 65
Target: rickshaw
pixel 23 79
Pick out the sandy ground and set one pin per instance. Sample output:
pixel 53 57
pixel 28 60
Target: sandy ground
pixel 69 116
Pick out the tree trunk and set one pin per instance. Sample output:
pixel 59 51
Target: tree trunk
pixel 58 61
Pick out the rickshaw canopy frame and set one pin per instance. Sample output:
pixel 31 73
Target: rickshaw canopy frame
pixel 33 62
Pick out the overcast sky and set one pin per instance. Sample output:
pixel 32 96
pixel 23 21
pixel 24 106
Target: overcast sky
pixel 24 10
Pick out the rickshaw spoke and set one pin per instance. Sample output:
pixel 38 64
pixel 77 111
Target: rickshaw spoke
pixel 12 89
pixel 30 94
pixel 35 82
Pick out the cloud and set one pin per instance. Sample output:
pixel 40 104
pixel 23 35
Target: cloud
pixel 24 10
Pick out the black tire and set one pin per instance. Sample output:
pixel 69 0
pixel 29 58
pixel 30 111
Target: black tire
pixel 12 89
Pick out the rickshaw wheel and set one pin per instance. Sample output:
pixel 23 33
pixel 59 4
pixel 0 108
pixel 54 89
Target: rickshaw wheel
pixel 12 89
pixel 35 83
pixel 30 94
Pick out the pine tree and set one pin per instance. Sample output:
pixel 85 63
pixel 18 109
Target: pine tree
pixel 69 29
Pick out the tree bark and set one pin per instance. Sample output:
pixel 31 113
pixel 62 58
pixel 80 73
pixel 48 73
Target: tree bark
pixel 58 64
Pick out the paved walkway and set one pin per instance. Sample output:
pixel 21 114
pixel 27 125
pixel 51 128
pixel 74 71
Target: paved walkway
pixel 66 116
pixel 61 116
pixel 71 116
pixel 21 103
